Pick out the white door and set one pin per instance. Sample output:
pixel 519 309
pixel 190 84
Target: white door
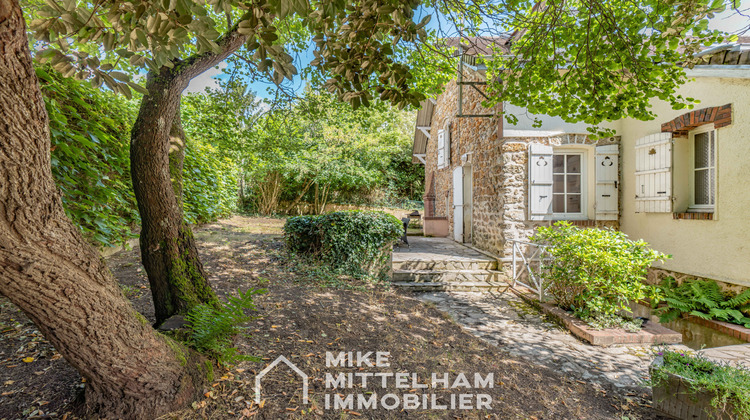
pixel 458 204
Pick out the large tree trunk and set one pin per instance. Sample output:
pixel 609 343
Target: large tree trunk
pixel 177 145
pixel 168 252
pixel 51 273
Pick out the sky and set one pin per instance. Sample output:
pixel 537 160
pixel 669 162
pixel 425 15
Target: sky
pixel 728 21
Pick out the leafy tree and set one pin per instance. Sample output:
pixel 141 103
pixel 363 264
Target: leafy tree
pixel 178 40
pixel 50 271
pixel 589 61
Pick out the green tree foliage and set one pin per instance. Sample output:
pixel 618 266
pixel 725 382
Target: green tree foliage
pixel 90 133
pixel 595 272
pixel 210 183
pixel 600 61
pixel 357 44
pixel 316 149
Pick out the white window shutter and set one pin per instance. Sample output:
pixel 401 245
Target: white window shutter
pixel 441 149
pixel 607 177
pixel 447 134
pixel 653 173
pixel 540 182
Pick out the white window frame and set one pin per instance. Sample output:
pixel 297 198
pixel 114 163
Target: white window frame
pixel 703 208
pixel 584 154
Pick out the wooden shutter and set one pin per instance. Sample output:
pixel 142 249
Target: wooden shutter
pixel 447 148
pixel 653 174
pixel 540 182
pixel 607 176
pixel 441 149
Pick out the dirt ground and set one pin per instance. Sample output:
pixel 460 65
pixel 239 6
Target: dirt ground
pixel 305 314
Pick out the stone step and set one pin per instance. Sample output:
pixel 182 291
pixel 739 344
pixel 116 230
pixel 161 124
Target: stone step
pixel 450 276
pixel 444 265
pixel 466 286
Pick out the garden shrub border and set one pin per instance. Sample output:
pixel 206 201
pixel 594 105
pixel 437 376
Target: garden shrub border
pixel 357 243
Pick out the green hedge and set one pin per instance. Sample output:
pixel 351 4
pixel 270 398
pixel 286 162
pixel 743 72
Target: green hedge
pixel 595 272
pixel 352 242
pixel 90 136
pixel 210 183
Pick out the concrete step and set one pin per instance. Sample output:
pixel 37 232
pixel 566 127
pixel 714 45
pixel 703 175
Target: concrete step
pixel 444 265
pixel 449 276
pixel 467 286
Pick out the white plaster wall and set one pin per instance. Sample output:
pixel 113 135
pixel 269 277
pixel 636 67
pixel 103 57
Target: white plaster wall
pixel 550 125
pixel 718 249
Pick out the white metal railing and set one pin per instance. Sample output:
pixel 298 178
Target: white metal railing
pixel 532 258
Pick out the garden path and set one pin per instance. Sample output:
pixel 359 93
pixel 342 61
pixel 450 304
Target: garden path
pixel 503 319
pixel 739 354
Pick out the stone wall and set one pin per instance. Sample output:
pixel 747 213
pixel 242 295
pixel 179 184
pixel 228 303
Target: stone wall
pixel 514 223
pixel 655 275
pixel 476 139
pixel 499 166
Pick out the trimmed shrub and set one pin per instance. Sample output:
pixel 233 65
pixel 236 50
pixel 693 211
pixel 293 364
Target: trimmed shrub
pixel 595 272
pixel 352 242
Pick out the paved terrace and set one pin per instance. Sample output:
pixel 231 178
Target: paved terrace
pixel 438 250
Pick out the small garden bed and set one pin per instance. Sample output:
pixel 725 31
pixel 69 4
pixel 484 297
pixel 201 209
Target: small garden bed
pixel 650 334
pixel 592 275
pixel 691 386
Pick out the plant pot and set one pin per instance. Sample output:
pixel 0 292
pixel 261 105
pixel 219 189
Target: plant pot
pixel 678 398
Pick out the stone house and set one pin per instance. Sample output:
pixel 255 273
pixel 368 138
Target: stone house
pixel 681 182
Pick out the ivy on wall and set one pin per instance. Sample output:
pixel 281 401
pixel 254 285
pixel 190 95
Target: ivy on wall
pixel 90 140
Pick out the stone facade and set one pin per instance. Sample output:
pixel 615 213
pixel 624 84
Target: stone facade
pixel 514 223
pixel 476 140
pixel 499 167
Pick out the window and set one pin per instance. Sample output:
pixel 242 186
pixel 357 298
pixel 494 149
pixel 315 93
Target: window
pixel 568 184
pixel 704 171
pixel 573 182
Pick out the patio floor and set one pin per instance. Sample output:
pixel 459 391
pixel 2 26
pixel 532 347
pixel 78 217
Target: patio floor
pixel 437 249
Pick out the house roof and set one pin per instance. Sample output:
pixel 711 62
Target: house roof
pixel 422 130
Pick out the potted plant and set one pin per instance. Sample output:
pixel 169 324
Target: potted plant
pixel 690 386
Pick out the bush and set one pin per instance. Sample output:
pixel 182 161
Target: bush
pixel 352 242
pixel 89 154
pixel 704 299
pixel 595 272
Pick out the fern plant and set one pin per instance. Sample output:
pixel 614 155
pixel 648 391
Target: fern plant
pixel 212 326
pixel 703 299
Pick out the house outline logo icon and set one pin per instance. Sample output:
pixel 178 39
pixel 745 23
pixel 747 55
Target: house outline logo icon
pixel 268 368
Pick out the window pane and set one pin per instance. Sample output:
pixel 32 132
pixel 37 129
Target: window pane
pixel 574 203
pixel 558 184
pixel 574 184
pixel 702 152
pixel 558 203
pixel 713 147
pixel 702 187
pixel 557 164
pixel 574 164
